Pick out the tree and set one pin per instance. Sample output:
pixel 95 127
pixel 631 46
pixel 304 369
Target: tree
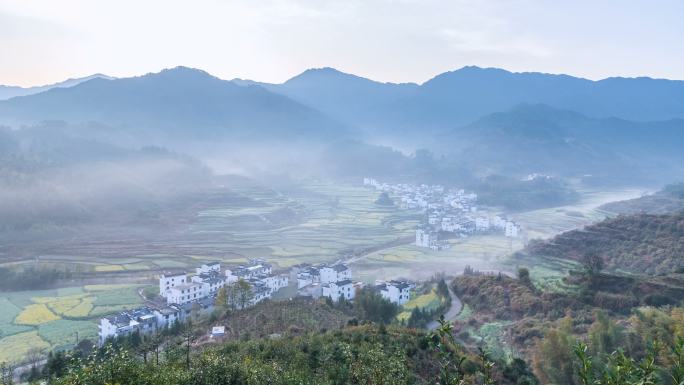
pixel 449 357
pixel 524 276
pixel 155 343
pixel 188 338
pixel 221 297
pixel 384 200
pixel 370 306
pixel 593 264
pixel 605 336
pixel 6 374
pixel 519 373
pixel 34 356
pixel 443 290
pixel 231 296
pixel 244 293
pixel 553 354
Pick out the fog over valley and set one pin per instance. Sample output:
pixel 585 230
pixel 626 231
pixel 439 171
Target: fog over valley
pixel 179 227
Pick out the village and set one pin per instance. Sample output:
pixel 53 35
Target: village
pixel 183 295
pixel 449 213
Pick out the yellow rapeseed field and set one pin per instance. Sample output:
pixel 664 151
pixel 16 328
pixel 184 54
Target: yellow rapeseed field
pixel 82 309
pixel 36 314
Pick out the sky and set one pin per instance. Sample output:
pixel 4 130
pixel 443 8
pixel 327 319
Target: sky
pixel 45 41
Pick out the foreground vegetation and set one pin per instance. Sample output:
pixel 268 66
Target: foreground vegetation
pixel 367 354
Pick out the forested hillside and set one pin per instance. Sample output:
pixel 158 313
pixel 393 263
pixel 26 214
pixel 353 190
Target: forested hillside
pixel 643 243
pixel 666 201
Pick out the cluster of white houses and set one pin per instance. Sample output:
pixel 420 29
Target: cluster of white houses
pixel 183 292
pixel 332 281
pixel 335 282
pixel 447 211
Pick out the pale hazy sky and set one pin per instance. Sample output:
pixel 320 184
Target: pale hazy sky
pixel 43 41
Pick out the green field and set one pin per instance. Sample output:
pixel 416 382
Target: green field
pixel 50 319
pixel 314 222
pixel 427 301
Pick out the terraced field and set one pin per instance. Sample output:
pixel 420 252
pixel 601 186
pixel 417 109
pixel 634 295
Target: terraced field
pixel 51 319
pixel 315 222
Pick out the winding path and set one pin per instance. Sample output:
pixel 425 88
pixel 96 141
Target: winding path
pixel 454 310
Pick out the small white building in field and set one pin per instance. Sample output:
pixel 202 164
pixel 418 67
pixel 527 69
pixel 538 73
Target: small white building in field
pixel 342 289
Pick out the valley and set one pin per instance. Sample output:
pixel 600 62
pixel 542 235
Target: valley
pixel 311 222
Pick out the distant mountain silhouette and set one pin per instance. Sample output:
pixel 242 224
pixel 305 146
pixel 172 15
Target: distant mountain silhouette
pixel 539 138
pixel 550 123
pixel 342 95
pixel 7 92
pixel 459 97
pixel 180 102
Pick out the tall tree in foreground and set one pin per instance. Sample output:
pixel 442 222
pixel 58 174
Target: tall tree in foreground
pixel 553 356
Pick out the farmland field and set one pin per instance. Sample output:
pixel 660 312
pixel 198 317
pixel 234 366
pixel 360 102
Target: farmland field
pixel 426 301
pixel 313 222
pixel 50 319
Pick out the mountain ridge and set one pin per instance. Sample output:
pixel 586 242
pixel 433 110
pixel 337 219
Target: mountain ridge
pixel 174 100
pixel 8 91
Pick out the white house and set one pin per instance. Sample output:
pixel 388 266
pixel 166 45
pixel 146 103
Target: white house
pixel 275 282
pixel 189 292
pixel 423 238
pixel 212 282
pixel 481 224
pixel 141 320
pixel 167 316
pixel 169 280
pixel 511 230
pixel 208 268
pixel 306 278
pixel 334 273
pixel 335 290
pixel 398 292
pixel 499 223
pixel 230 277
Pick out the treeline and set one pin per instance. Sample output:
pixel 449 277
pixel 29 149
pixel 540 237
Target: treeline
pixel 30 278
pixel 644 243
pixel 360 355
